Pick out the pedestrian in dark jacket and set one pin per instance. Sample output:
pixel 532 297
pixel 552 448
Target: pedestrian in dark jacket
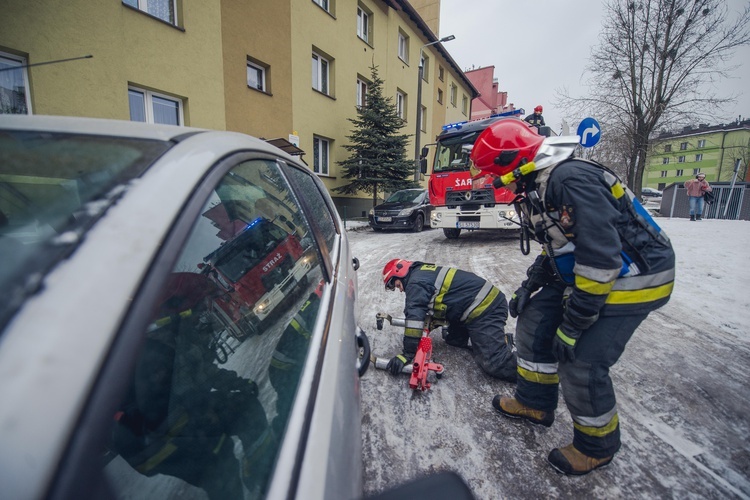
pixel 604 267
pixel 475 310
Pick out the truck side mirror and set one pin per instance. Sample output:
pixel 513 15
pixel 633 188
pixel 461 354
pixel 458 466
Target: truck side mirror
pixel 423 165
pixel 424 152
pixel 545 131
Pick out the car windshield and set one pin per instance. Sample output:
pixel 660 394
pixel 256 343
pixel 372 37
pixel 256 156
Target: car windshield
pixel 53 186
pixel 406 196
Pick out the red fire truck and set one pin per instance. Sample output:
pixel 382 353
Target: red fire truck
pixel 257 270
pixel 459 202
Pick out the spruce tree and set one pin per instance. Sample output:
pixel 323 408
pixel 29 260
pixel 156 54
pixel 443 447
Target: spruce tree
pixel 378 151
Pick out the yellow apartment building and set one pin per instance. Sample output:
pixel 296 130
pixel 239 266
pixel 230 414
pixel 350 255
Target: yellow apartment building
pixel 288 69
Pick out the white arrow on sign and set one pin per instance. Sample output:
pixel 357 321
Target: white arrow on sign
pixel 592 131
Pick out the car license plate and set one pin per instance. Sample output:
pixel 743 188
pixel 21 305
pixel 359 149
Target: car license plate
pixel 467 225
pixel 385 219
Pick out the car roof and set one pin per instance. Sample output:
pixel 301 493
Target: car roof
pixel 96 126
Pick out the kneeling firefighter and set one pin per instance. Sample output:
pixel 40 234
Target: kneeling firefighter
pixel 474 308
pixel 605 265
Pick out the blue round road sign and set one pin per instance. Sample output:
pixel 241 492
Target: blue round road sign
pixel 590 132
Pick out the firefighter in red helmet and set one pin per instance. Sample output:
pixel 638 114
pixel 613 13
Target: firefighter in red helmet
pixel 475 310
pixel 536 117
pixel 604 266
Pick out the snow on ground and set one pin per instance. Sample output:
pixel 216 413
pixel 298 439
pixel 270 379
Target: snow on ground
pixel 682 383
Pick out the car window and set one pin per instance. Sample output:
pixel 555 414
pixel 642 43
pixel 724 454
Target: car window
pixel 52 188
pixel 221 361
pixel 310 190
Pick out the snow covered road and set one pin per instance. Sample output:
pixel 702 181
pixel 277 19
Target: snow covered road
pixel 682 384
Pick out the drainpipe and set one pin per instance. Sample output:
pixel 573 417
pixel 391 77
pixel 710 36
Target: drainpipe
pixel 721 160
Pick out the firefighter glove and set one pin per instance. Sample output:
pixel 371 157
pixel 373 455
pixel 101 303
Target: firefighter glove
pixel 396 364
pixel 564 344
pixel 518 301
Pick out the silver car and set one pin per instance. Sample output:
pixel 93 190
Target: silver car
pixel 177 317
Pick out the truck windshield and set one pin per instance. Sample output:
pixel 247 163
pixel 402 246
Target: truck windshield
pixel 237 257
pixel 453 152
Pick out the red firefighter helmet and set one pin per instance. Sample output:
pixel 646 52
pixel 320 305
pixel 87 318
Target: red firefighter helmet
pixel 503 146
pixel 538 109
pixel 396 268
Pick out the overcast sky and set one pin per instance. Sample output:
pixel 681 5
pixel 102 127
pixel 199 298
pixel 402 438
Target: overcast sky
pixel 544 45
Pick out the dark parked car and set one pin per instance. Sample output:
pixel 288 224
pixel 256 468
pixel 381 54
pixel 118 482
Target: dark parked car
pixel 405 209
pixel 651 193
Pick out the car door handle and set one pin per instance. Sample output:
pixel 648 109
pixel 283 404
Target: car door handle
pixel 363 352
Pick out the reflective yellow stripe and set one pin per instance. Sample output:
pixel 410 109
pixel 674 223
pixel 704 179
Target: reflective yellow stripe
pixel 484 304
pixel 640 296
pixel 218 445
pixel 413 332
pixel 539 378
pixel 299 328
pixel 599 431
pixel 439 307
pixel 165 450
pixel 593 287
pixel 617 190
pixel 565 338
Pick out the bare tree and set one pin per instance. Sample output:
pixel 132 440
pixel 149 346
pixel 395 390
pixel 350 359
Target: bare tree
pixel 656 64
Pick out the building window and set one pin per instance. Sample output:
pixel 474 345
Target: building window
pixel 667 148
pixel 15 97
pixel 683 146
pixel 665 161
pixel 403 47
pixel 701 143
pixel 361 92
pixel 321 148
pixel 256 75
pixel 423 119
pixel 150 107
pixel 441 73
pixel 320 73
pixel 440 96
pixel 401 104
pixel 699 157
pixel 363 24
pixel 166 10
pixel 465 105
pixel 680 172
pixel 681 159
pixel 663 173
pixel 696 171
pixel 324 4
pixel 425 64
pixel 454 94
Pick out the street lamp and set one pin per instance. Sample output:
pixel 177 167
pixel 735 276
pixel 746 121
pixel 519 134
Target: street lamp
pixel 417 136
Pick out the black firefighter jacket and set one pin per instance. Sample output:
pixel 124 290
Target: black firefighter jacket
pixel 600 241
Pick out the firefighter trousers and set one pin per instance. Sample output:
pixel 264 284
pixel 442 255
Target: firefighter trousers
pixel 587 386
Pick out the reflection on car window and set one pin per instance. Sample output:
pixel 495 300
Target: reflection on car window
pixel 310 191
pixel 216 379
pixel 52 184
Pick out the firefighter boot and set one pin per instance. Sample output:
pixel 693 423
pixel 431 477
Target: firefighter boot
pixel 512 408
pixel 570 461
pixel 692 217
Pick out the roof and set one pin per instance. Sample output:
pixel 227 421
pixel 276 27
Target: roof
pixel 406 7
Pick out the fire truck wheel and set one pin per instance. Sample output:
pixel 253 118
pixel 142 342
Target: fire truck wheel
pixel 451 233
